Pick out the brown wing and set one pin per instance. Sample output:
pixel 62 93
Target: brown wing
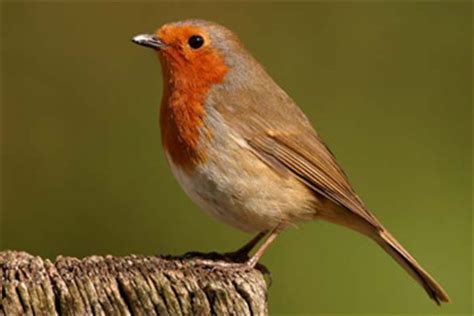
pixel 281 135
pixel 313 163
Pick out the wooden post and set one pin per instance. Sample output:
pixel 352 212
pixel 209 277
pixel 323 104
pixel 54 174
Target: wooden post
pixel 132 285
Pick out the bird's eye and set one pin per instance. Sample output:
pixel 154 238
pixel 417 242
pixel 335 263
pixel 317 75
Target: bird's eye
pixel 195 41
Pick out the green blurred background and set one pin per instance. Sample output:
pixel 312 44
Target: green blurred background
pixel 388 86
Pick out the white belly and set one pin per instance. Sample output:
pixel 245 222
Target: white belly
pixel 236 187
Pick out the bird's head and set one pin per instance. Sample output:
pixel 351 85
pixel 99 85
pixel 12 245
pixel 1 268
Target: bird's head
pixel 195 50
pixel 195 56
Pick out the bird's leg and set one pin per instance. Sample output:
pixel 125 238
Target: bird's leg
pixel 250 263
pixel 260 251
pixel 241 254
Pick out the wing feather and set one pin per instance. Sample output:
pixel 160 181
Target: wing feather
pixel 312 162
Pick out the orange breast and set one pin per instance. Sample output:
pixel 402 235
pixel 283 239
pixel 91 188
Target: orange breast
pixel 186 84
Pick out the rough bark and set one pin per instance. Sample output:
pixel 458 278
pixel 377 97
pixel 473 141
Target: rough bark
pixel 132 285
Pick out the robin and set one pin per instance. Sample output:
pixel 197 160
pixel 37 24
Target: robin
pixel 243 150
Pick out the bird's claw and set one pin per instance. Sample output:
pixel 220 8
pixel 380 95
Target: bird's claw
pixel 236 261
pixel 237 256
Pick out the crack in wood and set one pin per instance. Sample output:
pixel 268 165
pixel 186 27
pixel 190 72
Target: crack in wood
pixel 132 285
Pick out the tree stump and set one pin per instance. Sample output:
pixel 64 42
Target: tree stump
pixel 131 285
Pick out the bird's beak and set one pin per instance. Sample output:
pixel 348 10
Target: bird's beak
pixel 149 41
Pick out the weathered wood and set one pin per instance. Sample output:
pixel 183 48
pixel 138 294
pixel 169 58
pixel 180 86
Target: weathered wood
pixel 132 285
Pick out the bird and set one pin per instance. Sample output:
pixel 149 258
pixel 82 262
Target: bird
pixel 245 153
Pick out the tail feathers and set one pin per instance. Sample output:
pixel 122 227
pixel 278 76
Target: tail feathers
pixel 395 249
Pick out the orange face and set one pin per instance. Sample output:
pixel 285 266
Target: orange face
pixel 191 65
pixel 188 51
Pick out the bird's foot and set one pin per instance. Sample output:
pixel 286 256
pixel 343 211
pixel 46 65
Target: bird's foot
pixel 236 261
pixel 231 266
pixel 239 256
